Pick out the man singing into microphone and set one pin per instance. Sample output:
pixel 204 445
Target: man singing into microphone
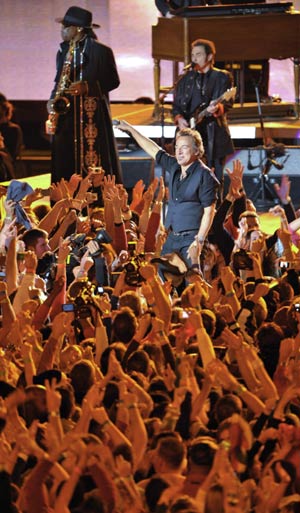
pixel 198 89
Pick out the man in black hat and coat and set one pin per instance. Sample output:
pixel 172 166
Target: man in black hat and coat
pixel 79 113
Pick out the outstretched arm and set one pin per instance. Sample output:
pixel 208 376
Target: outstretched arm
pixel 146 144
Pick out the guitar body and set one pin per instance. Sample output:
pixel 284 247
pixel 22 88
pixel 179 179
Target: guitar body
pixel 200 113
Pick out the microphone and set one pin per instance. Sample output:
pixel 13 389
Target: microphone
pixel 250 165
pixel 188 66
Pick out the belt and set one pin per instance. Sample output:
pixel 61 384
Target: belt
pixel 186 232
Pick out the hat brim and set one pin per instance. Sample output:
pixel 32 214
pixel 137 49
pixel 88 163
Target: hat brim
pixel 93 25
pixel 167 266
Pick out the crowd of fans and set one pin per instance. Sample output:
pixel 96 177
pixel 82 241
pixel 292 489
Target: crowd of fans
pixel 130 383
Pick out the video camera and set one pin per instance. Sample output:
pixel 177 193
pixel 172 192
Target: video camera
pixel 133 277
pixel 46 269
pixel 81 293
pixel 79 246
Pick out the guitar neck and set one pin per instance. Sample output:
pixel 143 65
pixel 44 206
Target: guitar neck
pixel 203 113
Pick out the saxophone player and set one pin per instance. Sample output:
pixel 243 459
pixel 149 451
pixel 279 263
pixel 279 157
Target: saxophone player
pixel 79 114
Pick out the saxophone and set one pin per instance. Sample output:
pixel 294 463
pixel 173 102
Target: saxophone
pixel 60 104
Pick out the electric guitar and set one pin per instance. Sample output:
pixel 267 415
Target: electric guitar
pixel 200 114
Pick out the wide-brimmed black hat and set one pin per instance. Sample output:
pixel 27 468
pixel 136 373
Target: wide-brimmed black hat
pixel 171 263
pixel 49 374
pixel 78 17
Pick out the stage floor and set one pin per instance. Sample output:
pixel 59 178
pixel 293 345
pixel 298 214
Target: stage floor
pixel 278 119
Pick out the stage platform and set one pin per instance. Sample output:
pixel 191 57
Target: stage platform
pixel 279 120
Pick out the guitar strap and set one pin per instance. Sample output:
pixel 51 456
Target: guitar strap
pixel 206 86
pixel 209 86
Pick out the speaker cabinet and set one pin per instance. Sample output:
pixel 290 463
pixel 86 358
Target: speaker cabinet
pixel 135 168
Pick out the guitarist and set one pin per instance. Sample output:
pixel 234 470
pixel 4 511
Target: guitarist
pixel 196 91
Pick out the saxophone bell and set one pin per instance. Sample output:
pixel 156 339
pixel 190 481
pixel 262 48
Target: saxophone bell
pixel 60 105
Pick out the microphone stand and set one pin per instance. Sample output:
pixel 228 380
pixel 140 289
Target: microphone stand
pixel 162 98
pixel 263 192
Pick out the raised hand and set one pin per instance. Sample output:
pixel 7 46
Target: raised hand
pixel 108 183
pixel 53 397
pixel 73 183
pixel 85 185
pixel 283 190
pixel 9 206
pixel 64 249
pixel 236 174
pixel 161 190
pixel 30 260
pixel 228 278
pixel 257 244
pixel 137 192
pixel 59 325
pixel 56 192
pixel 148 271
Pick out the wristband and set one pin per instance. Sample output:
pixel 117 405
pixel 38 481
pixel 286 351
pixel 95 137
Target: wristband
pixel 230 293
pixel 23 456
pixel 225 445
pixel 4 300
pixel 234 326
pixel 240 389
pixel 105 423
pixel 131 406
pixel 200 239
pixel 28 360
pixel 53 414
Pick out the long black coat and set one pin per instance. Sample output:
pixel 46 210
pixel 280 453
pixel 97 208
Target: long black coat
pixel 95 136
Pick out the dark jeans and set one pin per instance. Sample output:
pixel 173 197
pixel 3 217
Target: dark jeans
pixel 179 243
